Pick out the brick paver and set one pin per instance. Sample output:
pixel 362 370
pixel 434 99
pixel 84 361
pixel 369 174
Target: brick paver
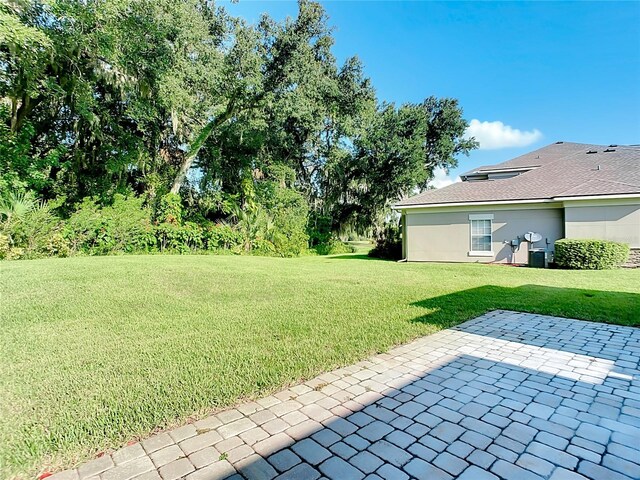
pixel 506 395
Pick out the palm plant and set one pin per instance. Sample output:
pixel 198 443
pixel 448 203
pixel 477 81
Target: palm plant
pixel 15 206
pixel 253 222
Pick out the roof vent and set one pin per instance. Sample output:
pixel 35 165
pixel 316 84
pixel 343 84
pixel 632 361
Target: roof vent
pixel 609 150
pixel 592 151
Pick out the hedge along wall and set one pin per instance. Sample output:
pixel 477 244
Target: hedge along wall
pixel 590 254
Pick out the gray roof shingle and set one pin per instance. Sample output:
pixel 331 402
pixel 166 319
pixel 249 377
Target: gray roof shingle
pixel 562 170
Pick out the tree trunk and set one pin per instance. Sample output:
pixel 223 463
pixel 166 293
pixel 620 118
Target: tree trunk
pixel 197 145
pixel 19 113
pixel 184 169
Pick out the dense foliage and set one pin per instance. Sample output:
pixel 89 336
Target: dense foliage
pixel 388 244
pixel 253 126
pixel 590 254
pixel 128 226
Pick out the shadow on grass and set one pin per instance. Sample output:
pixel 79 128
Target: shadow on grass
pixel 353 256
pixel 620 308
pixel 358 256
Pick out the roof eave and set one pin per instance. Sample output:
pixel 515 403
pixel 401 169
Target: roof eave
pixel 598 197
pixel 516 202
pixel 463 204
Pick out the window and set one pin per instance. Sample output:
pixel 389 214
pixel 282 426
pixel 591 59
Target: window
pixel 480 226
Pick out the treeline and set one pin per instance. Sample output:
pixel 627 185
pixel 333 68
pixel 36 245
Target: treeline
pixel 251 132
pixel 129 225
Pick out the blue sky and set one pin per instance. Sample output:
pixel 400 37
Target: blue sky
pixel 526 74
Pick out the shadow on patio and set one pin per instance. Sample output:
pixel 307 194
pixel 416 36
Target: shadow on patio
pixel 476 399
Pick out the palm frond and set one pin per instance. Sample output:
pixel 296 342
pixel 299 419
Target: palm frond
pixel 17 205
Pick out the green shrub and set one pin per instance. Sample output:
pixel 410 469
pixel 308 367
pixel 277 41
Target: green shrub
pixel 170 209
pixel 388 244
pixel 278 226
pixel 263 247
pixel 5 247
pixel 81 228
pixel 252 224
pixel 180 238
pixel 122 227
pixel 288 214
pixel 30 234
pixel 590 254
pixel 58 246
pixel 27 227
pixel 221 237
pixel 14 253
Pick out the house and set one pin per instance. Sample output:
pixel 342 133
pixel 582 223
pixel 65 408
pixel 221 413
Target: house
pixel 563 190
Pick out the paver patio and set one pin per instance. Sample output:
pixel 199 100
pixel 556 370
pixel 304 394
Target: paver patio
pixel 506 395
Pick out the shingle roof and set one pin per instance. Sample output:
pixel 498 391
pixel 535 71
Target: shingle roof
pixel 562 169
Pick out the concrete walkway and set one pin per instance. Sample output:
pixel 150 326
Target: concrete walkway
pixel 506 395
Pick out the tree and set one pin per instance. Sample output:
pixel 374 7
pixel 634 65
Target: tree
pixel 265 64
pixel 149 97
pixel 25 53
pixel 395 155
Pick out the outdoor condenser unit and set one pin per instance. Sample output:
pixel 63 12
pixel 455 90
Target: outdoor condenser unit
pixel 538 257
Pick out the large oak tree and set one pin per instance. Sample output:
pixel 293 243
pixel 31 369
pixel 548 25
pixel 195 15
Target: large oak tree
pixel 157 96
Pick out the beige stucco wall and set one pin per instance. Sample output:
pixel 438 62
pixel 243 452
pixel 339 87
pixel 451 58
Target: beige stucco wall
pixel 620 223
pixel 444 236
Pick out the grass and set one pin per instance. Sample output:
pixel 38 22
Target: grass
pixel 95 352
pixel 362 247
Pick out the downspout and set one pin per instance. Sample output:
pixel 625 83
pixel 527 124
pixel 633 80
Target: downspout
pixel 403 233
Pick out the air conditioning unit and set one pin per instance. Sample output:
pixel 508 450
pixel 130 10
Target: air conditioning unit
pixel 538 257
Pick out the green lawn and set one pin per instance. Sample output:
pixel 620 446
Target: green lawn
pixel 95 352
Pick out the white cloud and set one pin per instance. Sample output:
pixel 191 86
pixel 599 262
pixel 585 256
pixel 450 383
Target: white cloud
pixel 495 135
pixel 441 179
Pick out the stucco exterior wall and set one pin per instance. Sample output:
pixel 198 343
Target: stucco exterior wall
pixel 444 236
pixel 620 223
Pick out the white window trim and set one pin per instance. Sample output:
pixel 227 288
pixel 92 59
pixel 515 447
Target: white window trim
pixel 479 254
pixel 480 216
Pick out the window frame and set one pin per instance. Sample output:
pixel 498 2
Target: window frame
pixel 480 253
